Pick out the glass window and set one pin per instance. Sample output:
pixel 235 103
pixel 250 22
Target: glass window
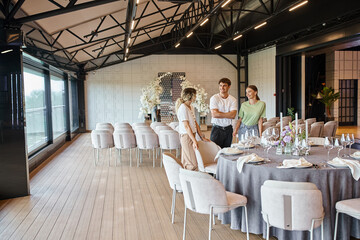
pixel 74 113
pixel 35 108
pixel 58 105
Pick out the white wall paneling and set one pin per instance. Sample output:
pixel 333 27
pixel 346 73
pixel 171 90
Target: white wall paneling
pixel 262 75
pixel 113 93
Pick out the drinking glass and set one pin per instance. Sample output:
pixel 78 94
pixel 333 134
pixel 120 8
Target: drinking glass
pixel 275 133
pixel 350 138
pixel 338 146
pixel 328 145
pixel 344 143
pixel 305 146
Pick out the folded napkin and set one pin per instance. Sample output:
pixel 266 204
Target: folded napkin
pixel 225 150
pixel 245 159
pixel 352 164
pixel 292 163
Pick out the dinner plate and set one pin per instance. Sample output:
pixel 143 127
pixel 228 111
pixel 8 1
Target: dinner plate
pixel 254 162
pixel 355 157
pixel 243 146
pixel 232 151
pixel 337 165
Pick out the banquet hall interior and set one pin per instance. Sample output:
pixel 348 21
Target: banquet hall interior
pixel 90 146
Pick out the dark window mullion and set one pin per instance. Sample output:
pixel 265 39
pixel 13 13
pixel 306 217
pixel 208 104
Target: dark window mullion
pixel 48 106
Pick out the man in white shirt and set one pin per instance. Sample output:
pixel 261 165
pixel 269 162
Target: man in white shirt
pixel 223 108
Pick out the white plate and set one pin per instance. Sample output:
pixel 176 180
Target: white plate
pixel 337 165
pixel 256 161
pixel 232 151
pixel 243 146
pixel 355 157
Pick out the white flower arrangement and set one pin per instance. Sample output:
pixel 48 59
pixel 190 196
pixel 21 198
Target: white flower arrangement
pixel 151 95
pixel 201 96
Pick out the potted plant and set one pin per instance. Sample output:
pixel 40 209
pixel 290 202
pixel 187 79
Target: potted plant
pixel 327 96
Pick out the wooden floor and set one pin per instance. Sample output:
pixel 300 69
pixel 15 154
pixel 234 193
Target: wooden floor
pixel 72 199
pixel 349 129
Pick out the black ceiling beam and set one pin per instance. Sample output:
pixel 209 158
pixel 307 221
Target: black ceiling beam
pixel 2 8
pixel 63 11
pixel 264 6
pixel 130 18
pixel 97 29
pixel 56 3
pixel 15 9
pixel 71 3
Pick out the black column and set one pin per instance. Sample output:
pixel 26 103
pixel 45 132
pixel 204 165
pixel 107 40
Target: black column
pixel 81 94
pixel 14 171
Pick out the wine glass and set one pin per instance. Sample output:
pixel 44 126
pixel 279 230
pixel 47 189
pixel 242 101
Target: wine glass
pixel 328 144
pixel 306 146
pixel 350 138
pixel 275 133
pixel 344 143
pixel 338 145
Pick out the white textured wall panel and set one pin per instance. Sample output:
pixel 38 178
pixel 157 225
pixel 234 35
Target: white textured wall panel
pixel 113 93
pixel 262 74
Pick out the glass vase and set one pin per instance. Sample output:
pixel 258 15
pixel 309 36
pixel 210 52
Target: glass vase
pixel 288 149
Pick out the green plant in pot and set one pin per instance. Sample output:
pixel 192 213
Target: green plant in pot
pixel 327 96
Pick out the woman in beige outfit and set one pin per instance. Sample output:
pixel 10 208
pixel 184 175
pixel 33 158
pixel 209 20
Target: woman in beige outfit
pixel 188 128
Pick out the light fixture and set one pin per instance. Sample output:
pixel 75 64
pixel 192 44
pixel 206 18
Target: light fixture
pixel 217 47
pixel 260 25
pixel 177 45
pixel 299 5
pixel 137 1
pixel 125 58
pixel 129 40
pixel 132 24
pixel 237 37
pixel 318 96
pixel 226 3
pixel 204 22
pixel 6 51
pixel 127 50
pixel 189 34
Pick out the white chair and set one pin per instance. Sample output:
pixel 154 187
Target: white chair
pixel 169 140
pixel 172 167
pixel 122 125
pixel 316 129
pixel 139 124
pixel 105 126
pixel 205 155
pixel 310 121
pixel 330 129
pixel 146 141
pixel 124 140
pixel 130 130
pixel 160 128
pixel 350 207
pixel 173 125
pixel 153 125
pixel 206 195
pixel 101 139
pixel 317 140
pixel 292 206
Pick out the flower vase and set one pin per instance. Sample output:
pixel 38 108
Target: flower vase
pixel 288 149
pixel 203 126
pixel 148 119
pixel 279 149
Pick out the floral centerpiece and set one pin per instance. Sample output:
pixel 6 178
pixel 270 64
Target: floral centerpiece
pixel 287 137
pixel 151 96
pixel 201 96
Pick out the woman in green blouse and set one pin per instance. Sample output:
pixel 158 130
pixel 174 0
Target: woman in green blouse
pixel 251 113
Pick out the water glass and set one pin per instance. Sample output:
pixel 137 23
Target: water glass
pixel 328 145
pixel 345 142
pixel 350 138
pixel 338 146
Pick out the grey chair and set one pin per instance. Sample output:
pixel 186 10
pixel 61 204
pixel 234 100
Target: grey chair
pixel 317 129
pixel 350 207
pixel 101 139
pixel 330 129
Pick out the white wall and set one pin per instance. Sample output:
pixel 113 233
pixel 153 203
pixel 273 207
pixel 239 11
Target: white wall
pixel 262 75
pixel 113 93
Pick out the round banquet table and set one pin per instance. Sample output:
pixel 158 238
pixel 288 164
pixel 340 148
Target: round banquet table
pixel 335 184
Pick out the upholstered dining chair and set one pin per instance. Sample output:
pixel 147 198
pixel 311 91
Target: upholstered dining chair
pixel 269 125
pixel 122 125
pixel 330 129
pixel 124 140
pixel 206 195
pixel 292 206
pixel 350 207
pixel 161 128
pixel 316 129
pixel 274 119
pixel 105 126
pixel 101 139
pixel 317 140
pixel 310 121
pixel 172 167
pixel 153 125
pixel 139 124
pixel 205 155
pixel 173 125
pixel 146 141
pixel 169 140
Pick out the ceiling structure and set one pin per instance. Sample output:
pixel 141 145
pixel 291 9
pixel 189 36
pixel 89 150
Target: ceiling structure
pixel 88 35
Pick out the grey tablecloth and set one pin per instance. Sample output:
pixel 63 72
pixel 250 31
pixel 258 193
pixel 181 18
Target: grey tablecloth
pixel 335 185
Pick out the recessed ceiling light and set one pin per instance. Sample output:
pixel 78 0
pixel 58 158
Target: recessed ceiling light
pixel 237 37
pixel 299 5
pixel 260 25
pixel 189 34
pixel 204 22
pixel 226 3
pixel 6 51
pixel 177 45
pixel 132 24
pixel 217 47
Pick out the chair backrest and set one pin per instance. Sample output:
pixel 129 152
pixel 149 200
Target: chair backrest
pixel 102 139
pixel 286 120
pixel 330 129
pixel 162 127
pixel 206 153
pixel 310 121
pixel 201 191
pixel 147 140
pixel 124 140
pixel 155 124
pixel 173 125
pixel 169 139
pixel 274 119
pixel 141 127
pixel 317 129
pixel 291 205
pixel 269 124
pixel 139 124
pixel 104 126
pixel 124 130
pixel 300 121
pixel 317 140
pixel 172 167
pixel 122 125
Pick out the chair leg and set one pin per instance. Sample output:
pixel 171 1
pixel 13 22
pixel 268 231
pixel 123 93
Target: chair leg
pixel 213 217
pixel 97 156
pixel 184 233
pixel 311 234
pixel 173 206
pixel 210 222
pixel 109 157
pixel 267 231
pixel 153 153
pixel 130 156
pixel 161 157
pixel 247 224
pixel 336 223
pixel 322 229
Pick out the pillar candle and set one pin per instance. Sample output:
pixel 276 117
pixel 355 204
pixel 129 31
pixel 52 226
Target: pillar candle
pixel 296 123
pixel 306 130
pixel 281 122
